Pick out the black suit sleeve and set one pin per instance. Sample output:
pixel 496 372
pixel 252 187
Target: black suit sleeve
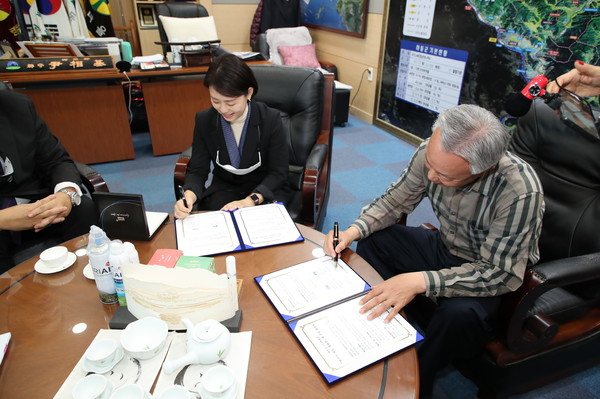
pixel 203 146
pixel 276 154
pixel 39 160
pixel 52 159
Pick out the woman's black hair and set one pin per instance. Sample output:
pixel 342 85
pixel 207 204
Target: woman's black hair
pixel 230 76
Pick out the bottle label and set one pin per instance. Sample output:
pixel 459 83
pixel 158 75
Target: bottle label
pixel 105 283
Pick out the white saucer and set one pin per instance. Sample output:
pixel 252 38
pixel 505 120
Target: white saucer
pixel 86 366
pixel 40 267
pixel 228 394
pixel 88 272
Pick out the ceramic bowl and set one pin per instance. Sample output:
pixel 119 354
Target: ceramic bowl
pixel 144 338
pixel 102 352
pixel 130 391
pixel 175 392
pixel 54 257
pixel 218 380
pixel 93 386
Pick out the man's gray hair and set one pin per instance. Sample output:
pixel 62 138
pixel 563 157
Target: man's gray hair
pixel 474 134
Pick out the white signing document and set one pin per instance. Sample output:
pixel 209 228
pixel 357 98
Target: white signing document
pixel 308 286
pixel 265 225
pixel 319 303
pixel 340 340
pixel 219 232
pixel 206 233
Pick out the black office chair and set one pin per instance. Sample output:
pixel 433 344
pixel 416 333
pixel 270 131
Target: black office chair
pixel 550 327
pixel 180 9
pixel 304 98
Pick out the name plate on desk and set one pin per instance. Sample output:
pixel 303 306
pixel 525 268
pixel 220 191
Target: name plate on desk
pixel 48 64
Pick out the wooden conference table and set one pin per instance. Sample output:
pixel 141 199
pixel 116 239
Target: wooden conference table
pixel 40 311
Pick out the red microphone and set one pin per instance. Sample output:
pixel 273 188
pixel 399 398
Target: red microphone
pixel 518 104
pixel 536 87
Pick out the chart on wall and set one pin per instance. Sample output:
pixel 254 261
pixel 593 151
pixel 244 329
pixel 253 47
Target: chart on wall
pixel 441 53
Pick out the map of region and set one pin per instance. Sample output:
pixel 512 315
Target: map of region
pixel 344 15
pixel 546 33
pixel 440 53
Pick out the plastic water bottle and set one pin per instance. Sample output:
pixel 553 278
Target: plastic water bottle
pixel 98 253
pixel 130 254
pixel 116 251
pixel 231 269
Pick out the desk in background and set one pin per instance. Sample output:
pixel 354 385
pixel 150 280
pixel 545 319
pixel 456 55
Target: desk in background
pixel 87 110
pixel 172 99
pixel 41 310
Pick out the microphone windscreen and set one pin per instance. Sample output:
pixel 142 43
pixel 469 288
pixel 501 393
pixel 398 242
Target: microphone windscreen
pixel 517 105
pixel 123 66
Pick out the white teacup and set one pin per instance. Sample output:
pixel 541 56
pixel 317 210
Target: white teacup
pixel 175 392
pixel 130 391
pixel 93 386
pixel 217 380
pixel 101 353
pixel 54 257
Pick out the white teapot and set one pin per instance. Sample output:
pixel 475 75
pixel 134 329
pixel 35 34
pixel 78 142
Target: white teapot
pixel 207 343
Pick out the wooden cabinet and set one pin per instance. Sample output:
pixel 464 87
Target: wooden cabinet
pixel 147 26
pixel 85 109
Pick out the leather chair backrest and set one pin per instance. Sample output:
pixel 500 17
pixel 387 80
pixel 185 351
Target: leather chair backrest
pixel 261 45
pixel 298 95
pixel 178 9
pixel 568 164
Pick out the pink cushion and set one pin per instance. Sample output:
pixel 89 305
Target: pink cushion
pixel 304 56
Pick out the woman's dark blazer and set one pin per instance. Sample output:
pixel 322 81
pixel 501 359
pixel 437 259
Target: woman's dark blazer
pixel 270 179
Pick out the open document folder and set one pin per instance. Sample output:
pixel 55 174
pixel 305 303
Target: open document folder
pixel 318 301
pixel 219 232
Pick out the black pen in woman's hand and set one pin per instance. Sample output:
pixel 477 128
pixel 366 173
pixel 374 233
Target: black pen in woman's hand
pixel 182 195
pixel 336 241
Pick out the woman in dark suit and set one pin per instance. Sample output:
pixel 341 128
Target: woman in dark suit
pixel 241 138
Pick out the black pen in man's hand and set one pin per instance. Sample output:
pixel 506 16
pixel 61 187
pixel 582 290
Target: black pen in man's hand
pixel 336 241
pixel 182 195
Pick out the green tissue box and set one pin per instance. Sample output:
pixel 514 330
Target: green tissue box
pixel 196 262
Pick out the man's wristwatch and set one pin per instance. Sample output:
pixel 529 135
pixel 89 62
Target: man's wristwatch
pixel 75 198
pixel 255 198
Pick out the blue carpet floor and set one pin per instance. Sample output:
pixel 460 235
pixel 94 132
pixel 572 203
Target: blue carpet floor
pixel 365 161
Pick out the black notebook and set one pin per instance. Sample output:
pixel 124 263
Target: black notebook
pixel 123 216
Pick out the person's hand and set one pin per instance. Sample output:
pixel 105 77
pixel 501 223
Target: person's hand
pixel 243 203
pixel 393 294
pixel 583 80
pixel 180 210
pixel 50 210
pixel 15 218
pixel 233 205
pixel 346 238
